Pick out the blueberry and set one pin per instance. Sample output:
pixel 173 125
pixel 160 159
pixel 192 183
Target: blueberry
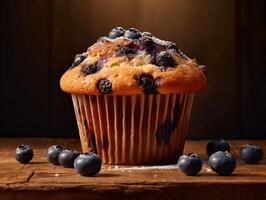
pixel 88 164
pixel 147 34
pixel 105 86
pixel 251 153
pixel 78 59
pixel 116 32
pixel 23 154
pixel 164 60
pixel 148 83
pixel 146 43
pixel 164 132
pixel 223 163
pixel 66 158
pixel 190 164
pixel 132 33
pixel 53 153
pixel 88 69
pixel 217 145
pixel 91 68
pixel 128 50
pixel 173 46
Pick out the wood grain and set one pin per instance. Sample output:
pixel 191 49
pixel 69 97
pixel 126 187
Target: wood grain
pixel 41 180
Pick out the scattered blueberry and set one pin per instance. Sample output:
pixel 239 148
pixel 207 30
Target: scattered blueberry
pixel 146 43
pixel 23 154
pixel 217 145
pixel 116 32
pixel 53 153
pixel 78 59
pixel 105 86
pixel 88 164
pixel 190 164
pixel 132 33
pixel 223 163
pixel 66 157
pixel 130 50
pixel 165 60
pixel 148 34
pixel 148 83
pixel 251 153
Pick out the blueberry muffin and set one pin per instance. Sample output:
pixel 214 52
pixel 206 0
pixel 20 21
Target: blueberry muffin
pixel 132 96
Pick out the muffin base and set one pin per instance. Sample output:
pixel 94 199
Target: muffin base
pixel 138 129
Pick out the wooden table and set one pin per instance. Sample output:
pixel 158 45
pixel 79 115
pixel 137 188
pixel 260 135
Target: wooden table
pixel 41 180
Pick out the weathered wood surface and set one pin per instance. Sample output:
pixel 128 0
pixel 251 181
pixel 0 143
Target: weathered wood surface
pixel 41 180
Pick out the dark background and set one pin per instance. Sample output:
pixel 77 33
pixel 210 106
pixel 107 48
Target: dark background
pixel 39 39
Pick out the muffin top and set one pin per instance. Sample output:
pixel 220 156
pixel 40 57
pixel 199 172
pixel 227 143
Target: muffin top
pixel 129 62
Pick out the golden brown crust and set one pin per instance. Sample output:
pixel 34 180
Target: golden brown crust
pixel 122 70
